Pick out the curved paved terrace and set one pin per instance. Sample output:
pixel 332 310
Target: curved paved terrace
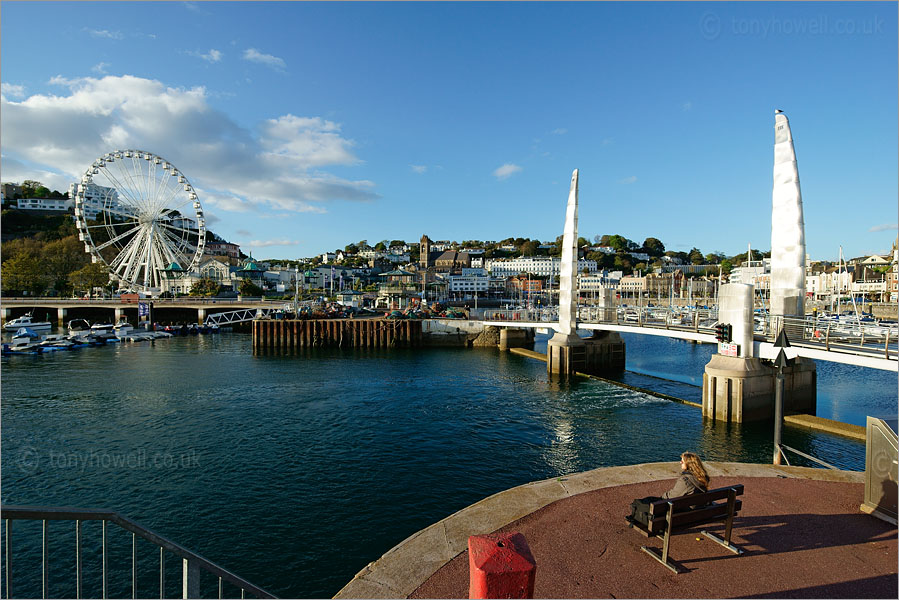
pixel 801 529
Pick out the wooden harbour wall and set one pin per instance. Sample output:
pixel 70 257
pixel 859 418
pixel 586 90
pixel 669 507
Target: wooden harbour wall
pixel 346 333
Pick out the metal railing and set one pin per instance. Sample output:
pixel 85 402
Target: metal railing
pixel 192 563
pixel 833 335
pixel 239 316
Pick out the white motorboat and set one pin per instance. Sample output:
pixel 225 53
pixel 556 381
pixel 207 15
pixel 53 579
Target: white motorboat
pixel 26 321
pixel 102 328
pixel 79 326
pixel 123 328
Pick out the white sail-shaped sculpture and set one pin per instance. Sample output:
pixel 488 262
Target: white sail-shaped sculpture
pixel 568 275
pixel 787 226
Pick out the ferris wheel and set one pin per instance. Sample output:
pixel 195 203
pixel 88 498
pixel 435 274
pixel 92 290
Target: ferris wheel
pixel 137 214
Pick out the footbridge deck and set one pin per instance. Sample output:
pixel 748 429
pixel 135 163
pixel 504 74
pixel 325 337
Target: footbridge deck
pixel 871 346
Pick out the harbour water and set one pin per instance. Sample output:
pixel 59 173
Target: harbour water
pixel 295 471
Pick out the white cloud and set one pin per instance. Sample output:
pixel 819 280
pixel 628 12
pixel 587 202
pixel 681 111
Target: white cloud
pixel 506 171
pixel 16 170
pixel 267 243
pixel 243 232
pixel 884 227
pixel 277 167
pixel 254 55
pixel 686 106
pixel 628 180
pixel 419 168
pixel 11 90
pixel 100 68
pixel 212 56
pixel 559 131
pixel 106 34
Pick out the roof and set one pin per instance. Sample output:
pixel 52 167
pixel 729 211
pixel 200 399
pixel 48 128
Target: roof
pixel 396 272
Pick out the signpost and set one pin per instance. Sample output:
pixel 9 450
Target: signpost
pixel 780 362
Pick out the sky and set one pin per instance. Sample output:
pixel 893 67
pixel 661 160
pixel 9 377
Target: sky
pixel 308 126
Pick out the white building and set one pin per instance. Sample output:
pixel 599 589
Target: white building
pixel 535 265
pixel 467 284
pixel 55 204
pixel 756 272
pixel 96 197
pixel 599 281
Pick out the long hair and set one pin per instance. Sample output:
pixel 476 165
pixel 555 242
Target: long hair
pixel 694 466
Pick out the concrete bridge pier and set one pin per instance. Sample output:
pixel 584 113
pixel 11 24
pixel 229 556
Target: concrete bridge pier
pixel 119 314
pixel 7 314
pixel 201 316
pixel 565 354
pixel 512 337
pixel 741 387
pixel 61 314
pixel 605 353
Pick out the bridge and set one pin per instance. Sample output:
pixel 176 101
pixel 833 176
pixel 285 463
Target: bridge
pixel 206 309
pixel 872 346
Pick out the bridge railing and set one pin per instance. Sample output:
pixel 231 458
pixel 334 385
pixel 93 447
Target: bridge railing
pixel 192 563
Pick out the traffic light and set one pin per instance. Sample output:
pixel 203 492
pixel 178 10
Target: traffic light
pixel 723 332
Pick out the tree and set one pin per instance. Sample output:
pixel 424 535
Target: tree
pixel 23 273
pixel 528 248
pixel 90 276
pixel 248 288
pixel 396 243
pixel 620 243
pixel 380 247
pixel 62 257
pixel 205 287
pixel 726 266
pixel 653 246
pixel 351 249
pixel 695 256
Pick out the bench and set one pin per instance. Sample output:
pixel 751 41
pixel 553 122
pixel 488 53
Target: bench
pixel 667 517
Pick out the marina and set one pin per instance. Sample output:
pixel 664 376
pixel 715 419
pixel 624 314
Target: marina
pixel 349 468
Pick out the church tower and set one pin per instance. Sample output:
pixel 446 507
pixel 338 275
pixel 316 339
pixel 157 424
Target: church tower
pixel 424 252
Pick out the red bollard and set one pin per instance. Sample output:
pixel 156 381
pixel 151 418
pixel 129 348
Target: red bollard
pixel 500 565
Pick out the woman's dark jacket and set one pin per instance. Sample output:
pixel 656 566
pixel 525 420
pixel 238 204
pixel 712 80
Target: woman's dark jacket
pixel 686 484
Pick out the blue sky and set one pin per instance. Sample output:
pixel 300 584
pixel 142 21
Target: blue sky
pixel 306 126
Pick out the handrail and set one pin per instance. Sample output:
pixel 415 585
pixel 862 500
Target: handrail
pixel 192 560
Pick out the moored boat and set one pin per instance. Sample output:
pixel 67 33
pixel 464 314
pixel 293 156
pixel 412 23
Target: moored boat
pixel 26 321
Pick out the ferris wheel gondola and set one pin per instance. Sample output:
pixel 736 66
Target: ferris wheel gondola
pixel 138 215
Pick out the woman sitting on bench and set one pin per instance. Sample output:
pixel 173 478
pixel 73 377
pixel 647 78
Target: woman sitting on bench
pixel 693 480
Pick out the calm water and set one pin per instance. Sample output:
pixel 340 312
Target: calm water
pixel 296 471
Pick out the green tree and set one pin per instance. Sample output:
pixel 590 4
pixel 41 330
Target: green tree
pixel 90 276
pixel 351 249
pixel 248 288
pixel 528 248
pixel 726 266
pixel 396 243
pixel 653 246
pixel 380 246
pixel 23 273
pixel 695 257
pixel 205 287
pixel 61 258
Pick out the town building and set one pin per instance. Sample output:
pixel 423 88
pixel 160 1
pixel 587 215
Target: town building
pixel 545 266
pixel 45 205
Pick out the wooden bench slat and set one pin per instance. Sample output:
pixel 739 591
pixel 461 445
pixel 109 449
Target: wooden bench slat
pixel 682 520
pixel 664 525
